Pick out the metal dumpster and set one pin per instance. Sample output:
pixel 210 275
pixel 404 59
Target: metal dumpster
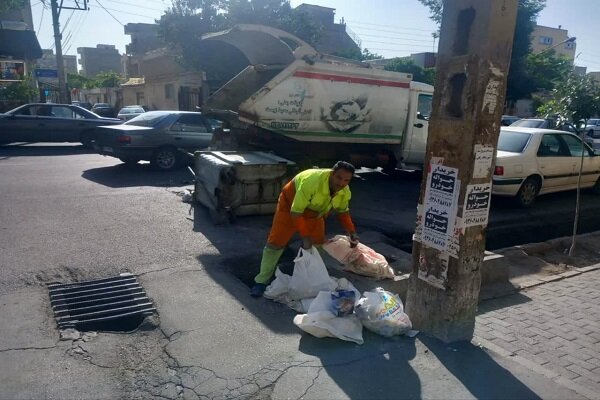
pixel 232 183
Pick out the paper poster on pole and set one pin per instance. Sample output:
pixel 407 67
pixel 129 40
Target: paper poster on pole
pixel 440 206
pixel 477 205
pixel 484 155
pixel 434 270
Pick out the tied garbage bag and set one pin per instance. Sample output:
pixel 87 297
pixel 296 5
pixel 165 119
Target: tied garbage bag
pixel 321 322
pixel 310 275
pixel 361 260
pixel 383 313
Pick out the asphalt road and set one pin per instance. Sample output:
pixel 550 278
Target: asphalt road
pixel 70 214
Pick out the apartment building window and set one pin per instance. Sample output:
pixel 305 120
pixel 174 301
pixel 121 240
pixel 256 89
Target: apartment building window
pixel 169 91
pixel 570 45
pixel 545 40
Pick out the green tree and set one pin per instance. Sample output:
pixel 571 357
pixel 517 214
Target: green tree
pixel 106 80
pixel 22 92
pixel 6 5
pixel 407 65
pixel 357 54
pixel 78 81
pixel 577 99
pixel 518 82
pixel 546 69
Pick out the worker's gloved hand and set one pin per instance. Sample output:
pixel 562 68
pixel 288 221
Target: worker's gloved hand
pixel 306 243
pixel 354 240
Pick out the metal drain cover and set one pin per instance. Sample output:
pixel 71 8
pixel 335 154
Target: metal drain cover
pixel 108 300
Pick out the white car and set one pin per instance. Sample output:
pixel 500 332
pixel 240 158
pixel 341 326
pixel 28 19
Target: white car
pixel 130 112
pixel 592 128
pixel 534 161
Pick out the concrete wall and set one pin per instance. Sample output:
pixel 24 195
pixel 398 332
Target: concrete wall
pixel 102 58
pixel 544 37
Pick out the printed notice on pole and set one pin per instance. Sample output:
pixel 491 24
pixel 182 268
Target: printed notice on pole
pixel 484 155
pixel 434 270
pixel 477 205
pixel 440 206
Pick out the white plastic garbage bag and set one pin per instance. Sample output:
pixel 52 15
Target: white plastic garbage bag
pixel 321 322
pixel 310 275
pixel 383 313
pixel 361 260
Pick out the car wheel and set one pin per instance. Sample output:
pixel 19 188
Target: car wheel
pixel 165 158
pixel 129 161
pixel 86 139
pixel 528 192
pixel 596 187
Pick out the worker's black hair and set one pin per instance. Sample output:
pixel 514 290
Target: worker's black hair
pixel 343 165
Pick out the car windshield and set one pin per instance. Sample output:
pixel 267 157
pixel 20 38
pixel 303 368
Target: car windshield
pixel 151 118
pixel 529 123
pixel 131 110
pixel 513 142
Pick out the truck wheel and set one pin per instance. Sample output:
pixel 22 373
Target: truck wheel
pixel 165 158
pixel 528 192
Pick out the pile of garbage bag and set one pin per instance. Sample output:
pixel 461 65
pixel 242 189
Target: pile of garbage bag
pixel 331 307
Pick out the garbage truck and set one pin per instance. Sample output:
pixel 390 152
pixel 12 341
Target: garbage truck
pixel 314 109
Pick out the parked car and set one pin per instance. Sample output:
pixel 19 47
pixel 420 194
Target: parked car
pixel 47 122
pixel 592 128
pixel 533 161
pixel 129 112
pixel 84 104
pixel 104 110
pixel 508 119
pixel 156 136
pixel 545 123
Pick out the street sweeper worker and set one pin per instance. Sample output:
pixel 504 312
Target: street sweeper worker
pixel 303 205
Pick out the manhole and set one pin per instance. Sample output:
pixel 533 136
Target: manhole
pixel 111 304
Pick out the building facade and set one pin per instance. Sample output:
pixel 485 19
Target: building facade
pixel 102 58
pixel 545 38
pixel 335 39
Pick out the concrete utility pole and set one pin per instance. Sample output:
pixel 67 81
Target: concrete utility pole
pixel 60 66
pixel 473 58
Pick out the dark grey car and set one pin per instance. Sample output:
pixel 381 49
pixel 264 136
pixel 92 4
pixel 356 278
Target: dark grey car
pixel 156 136
pixel 47 122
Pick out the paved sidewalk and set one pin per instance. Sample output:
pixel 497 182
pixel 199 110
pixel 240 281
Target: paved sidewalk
pixel 553 329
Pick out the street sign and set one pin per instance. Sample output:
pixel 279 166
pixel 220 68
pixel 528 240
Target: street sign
pixel 46 73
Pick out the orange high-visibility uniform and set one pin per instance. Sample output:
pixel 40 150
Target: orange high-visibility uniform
pixel 309 198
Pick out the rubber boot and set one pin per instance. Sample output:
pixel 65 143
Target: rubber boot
pixel 270 257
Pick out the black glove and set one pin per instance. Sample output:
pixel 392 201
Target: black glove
pixel 306 243
pixel 354 240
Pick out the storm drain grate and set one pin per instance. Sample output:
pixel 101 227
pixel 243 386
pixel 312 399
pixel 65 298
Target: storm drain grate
pixel 104 304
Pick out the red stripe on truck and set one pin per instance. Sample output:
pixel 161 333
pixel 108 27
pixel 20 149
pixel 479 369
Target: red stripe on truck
pixel 349 79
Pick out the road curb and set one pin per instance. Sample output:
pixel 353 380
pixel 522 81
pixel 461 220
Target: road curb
pixel 555 377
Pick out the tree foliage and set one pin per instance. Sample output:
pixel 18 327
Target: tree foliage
pixel 6 5
pixel 577 98
pixel 184 23
pixel 102 80
pixel 546 69
pixel 407 65
pixel 356 54
pixel 22 91
pixel 518 82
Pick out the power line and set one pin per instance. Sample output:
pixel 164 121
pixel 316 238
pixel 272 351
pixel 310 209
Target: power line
pixel 396 37
pixel 40 24
pixel 388 26
pixel 124 12
pixel 115 18
pixel 382 30
pixel 135 5
pixel 67 23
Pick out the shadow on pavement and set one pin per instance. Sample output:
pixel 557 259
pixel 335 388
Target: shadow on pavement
pixel 141 174
pixel 28 150
pixel 378 369
pixel 502 302
pixel 480 374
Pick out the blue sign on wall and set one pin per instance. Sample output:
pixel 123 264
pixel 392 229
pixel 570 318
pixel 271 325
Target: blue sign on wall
pixel 46 73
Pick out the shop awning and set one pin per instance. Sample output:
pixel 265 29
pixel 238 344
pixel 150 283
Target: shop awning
pixel 19 44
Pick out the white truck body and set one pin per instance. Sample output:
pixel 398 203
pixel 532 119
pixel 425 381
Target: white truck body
pixel 330 108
